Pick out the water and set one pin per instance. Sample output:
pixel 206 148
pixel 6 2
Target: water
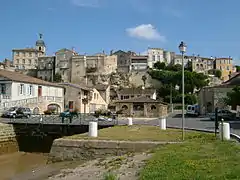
pixel 29 166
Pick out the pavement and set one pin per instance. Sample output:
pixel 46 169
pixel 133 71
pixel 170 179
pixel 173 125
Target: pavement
pixel 175 120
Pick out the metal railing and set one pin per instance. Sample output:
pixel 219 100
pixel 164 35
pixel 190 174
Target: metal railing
pixel 81 119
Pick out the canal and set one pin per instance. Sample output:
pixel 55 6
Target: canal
pixel 30 166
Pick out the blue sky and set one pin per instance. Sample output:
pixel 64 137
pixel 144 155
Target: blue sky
pixel 209 27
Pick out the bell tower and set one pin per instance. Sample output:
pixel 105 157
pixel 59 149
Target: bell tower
pixel 40 44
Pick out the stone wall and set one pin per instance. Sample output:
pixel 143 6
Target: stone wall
pixel 67 149
pixel 8 142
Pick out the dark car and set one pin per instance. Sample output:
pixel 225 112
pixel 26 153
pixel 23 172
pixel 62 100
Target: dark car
pixel 17 112
pixel 225 114
pixel 68 114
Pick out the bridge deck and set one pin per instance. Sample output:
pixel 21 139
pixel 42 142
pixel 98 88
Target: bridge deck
pixel 56 120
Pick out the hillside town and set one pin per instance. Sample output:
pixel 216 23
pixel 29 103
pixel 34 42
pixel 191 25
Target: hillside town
pixel 118 80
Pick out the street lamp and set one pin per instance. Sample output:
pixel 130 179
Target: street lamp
pixel 51 66
pixel 182 48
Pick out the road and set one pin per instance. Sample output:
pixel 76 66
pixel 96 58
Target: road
pixel 199 123
pixel 172 121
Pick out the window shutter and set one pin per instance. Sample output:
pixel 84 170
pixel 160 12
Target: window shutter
pixel 33 90
pixel 24 89
pixel 19 89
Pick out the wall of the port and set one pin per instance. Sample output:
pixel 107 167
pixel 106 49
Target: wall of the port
pixel 8 141
pixel 65 149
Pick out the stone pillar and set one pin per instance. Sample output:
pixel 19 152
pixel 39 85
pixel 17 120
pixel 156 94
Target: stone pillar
pixel 131 109
pixel 145 110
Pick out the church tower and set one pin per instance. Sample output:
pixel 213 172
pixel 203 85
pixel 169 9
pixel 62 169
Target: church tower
pixel 40 44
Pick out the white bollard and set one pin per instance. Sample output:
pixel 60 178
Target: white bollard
pixel 162 123
pixel 130 122
pixel 93 129
pixel 224 131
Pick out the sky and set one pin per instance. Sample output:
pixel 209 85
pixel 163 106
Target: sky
pixel 208 27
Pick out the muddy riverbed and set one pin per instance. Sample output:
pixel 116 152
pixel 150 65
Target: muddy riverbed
pixel 29 166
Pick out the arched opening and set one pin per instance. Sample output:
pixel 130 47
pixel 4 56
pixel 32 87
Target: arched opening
pixel 40 48
pixel 54 108
pixel 36 110
pixel 209 107
pixel 153 107
pixel 124 107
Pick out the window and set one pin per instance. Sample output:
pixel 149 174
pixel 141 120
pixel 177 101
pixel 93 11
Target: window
pixel 35 61
pixel 94 95
pixel 121 97
pixel 23 53
pixel 23 61
pixel 153 57
pixel 30 90
pixel 3 88
pixel 17 61
pixel 21 89
pixel 29 61
pixel 227 67
pixel 17 54
pixel 30 54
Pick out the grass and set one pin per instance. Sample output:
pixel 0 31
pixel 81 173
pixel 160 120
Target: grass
pixel 207 159
pixel 110 176
pixel 141 133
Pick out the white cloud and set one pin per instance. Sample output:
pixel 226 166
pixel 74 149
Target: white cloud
pixel 145 31
pixel 85 3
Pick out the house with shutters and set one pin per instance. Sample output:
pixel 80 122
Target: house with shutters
pixel 17 89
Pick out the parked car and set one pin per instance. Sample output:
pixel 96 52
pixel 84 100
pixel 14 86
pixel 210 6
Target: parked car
pixel 225 114
pixel 18 112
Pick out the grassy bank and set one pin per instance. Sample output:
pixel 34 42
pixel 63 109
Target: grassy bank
pixel 199 159
pixel 140 133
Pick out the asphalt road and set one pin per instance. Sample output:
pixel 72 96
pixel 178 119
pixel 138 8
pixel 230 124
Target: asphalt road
pixel 175 120
pixel 172 121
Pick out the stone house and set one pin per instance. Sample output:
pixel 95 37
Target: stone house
pixel 82 99
pixel 124 60
pixel 63 63
pixel 128 93
pixel 212 97
pixel 142 107
pixel 46 68
pixel 225 65
pixel 139 63
pixel 27 58
pixel 90 69
pixel 17 89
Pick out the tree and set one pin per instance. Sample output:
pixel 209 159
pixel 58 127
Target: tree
pixel 175 67
pixel 233 97
pixel 57 77
pixel 215 72
pixel 159 65
pixel 238 68
pixel 218 73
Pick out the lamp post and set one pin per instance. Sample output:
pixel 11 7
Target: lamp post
pixel 51 67
pixel 182 48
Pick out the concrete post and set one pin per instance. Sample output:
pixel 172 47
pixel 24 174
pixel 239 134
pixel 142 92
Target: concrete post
pixel 224 131
pixel 162 123
pixel 93 129
pixel 130 122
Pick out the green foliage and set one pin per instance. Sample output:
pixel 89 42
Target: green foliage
pixel 201 158
pixel 233 97
pixel 176 67
pixel 238 68
pixel 215 72
pixel 110 176
pixel 57 77
pixel 159 65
